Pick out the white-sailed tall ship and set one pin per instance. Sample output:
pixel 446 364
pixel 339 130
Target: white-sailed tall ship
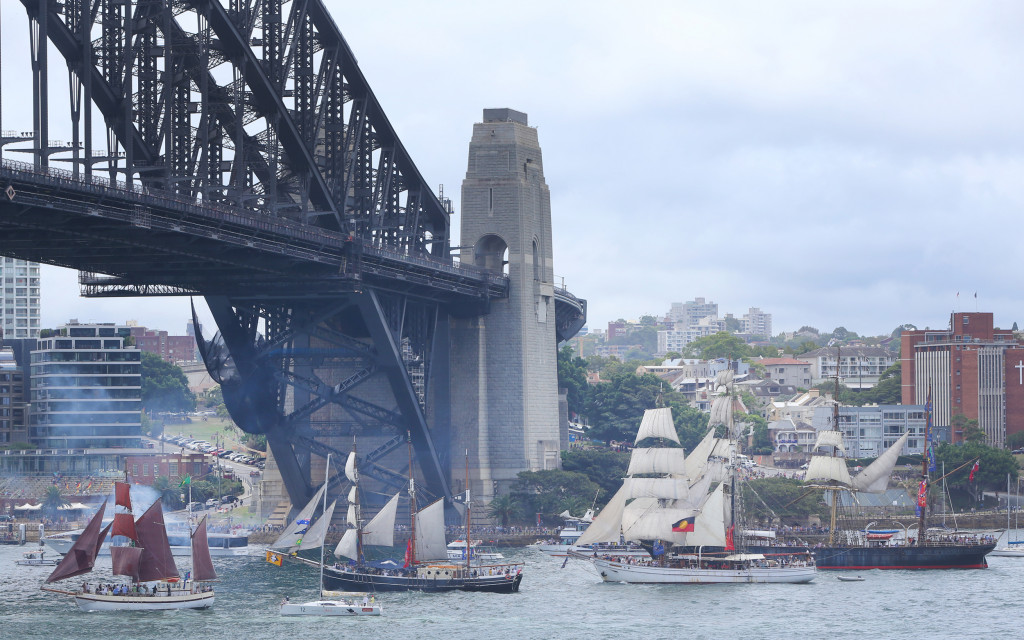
pixel 569 534
pixel 667 501
pixel 147 562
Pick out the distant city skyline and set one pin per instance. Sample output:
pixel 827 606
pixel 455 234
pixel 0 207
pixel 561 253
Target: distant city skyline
pixel 839 164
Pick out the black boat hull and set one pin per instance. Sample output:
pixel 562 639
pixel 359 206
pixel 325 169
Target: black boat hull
pixel 335 580
pixel 857 558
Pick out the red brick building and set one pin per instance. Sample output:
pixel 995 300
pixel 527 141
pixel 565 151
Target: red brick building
pixel 972 368
pixel 145 468
pixel 171 348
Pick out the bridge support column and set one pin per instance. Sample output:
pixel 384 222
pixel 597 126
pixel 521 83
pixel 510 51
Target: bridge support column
pixel 504 364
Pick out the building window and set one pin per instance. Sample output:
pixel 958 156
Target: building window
pixel 172 470
pixel 145 469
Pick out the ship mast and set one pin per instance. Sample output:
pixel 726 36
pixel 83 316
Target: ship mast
pixel 924 467
pixel 327 471
pixel 469 503
pixel 412 503
pixel 835 426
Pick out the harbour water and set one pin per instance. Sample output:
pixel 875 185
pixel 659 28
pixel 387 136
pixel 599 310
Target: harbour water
pixel 555 602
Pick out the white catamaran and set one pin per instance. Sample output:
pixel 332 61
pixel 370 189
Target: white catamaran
pixel 146 560
pixel 667 501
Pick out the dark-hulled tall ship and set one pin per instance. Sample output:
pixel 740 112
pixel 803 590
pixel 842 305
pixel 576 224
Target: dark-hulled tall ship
pixel 426 566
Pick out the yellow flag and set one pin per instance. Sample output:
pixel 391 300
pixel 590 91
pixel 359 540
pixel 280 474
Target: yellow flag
pixel 274 558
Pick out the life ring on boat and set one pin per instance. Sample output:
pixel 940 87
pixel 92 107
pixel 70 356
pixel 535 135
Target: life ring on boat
pixel 508 576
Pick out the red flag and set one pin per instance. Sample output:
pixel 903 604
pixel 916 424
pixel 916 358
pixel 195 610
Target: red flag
pixel 973 470
pixel 408 554
pixel 729 545
pixel 922 495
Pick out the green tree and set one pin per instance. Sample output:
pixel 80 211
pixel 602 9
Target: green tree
pixel 603 467
pixel 53 501
pixel 553 491
pixel 719 345
pixel 169 492
pixel 504 508
pixel 887 391
pixel 993 465
pixel 164 386
pixel 1015 440
pixel 779 499
pixel 572 376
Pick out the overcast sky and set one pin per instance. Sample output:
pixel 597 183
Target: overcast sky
pixel 847 164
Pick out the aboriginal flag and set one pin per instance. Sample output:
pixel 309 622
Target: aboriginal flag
pixel 684 525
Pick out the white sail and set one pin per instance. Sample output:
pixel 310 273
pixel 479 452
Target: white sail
pixel 721 411
pixel 351 516
pixel 607 526
pixel 645 520
pixel 300 524
pixel 430 540
pixel 657 460
pixel 350 467
pixel 657 423
pixel 699 489
pixel 660 488
pixel 348 546
pixel 830 439
pixel 381 529
pixel 724 379
pixel 710 525
pixel 698 458
pixel 827 469
pixel 314 538
pixel 352 494
pixel 875 477
pixel 723 449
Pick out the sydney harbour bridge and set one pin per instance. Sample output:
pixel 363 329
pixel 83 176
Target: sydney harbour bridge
pixel 232 150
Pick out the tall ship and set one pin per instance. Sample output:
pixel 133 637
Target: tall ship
pixel 153 583
pixel 683 509
pixel 849 547
pixel 426 566
pixel 569 534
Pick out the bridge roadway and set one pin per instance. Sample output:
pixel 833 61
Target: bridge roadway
pixel 158 243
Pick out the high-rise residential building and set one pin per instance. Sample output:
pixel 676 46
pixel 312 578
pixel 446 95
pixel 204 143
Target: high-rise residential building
pixel 972 370
pixel 19 298
pixel 858 367
pixel 690 313
pixel 757 323
pixel 12 399
pixel 86 388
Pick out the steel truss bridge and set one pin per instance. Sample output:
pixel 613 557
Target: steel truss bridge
pixel 244 159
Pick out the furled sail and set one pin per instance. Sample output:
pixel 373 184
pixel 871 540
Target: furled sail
pixel 607 526
pixel 82 555
pixel 300 524
pixel 657 460
pixel 657 423
pixel 156 562
pixel 875 477
pixel 827 469
pixel 430 540
pixel 381 529
pixel 202 563
pixel 660 488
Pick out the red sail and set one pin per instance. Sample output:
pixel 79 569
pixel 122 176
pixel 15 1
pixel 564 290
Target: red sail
pixel 202 563
pixel 126 561
pixel 124 525
pixel 82 555
pixel 123 495
pixel 156 562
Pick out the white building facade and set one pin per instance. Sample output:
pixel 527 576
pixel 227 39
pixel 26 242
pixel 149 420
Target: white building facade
pixel 19 298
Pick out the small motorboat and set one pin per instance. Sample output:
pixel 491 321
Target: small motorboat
pixel 35 558
pixel 850 578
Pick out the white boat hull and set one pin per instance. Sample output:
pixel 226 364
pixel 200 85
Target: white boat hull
pixel 159 602
pixel 562 550
pixel 1007 552
pixel 612 571
pixel 330 608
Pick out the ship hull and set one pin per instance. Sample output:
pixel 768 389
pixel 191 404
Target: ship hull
pixel 330 608
pixel 896 557
pixel 159 602
pixel 611 571
pixel 339 580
